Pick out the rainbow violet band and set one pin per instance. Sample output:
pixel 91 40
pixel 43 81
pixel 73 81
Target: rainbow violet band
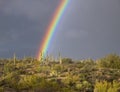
pixel 52 28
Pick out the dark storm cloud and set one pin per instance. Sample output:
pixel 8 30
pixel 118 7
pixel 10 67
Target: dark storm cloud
pixel 18 33
pixel 22 25
pixel 37 9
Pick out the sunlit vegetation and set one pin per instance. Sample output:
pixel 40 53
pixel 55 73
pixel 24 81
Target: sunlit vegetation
pixel 61 75
pixel 104 86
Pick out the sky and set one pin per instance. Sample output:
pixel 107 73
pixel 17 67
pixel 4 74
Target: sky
pixel 87 29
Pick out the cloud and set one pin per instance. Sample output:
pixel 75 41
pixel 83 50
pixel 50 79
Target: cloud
pixel 76 34
pixel 36 9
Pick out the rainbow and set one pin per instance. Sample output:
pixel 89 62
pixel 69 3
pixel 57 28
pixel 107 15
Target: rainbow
pixel 52 28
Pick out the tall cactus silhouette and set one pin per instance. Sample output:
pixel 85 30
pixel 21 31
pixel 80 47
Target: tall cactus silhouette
pixel 14 58
pixel 47 57
pixel 41 59
pixel 60 58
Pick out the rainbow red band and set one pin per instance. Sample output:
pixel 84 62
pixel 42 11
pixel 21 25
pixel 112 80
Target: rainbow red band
pixel 52 28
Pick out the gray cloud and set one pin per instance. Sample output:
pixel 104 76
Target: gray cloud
pixel 37 9
pixel 22 25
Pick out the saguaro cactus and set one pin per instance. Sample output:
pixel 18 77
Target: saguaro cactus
pixel 60 58
pixel 14 58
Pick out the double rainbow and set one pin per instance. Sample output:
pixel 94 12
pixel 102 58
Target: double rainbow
pixel 52 28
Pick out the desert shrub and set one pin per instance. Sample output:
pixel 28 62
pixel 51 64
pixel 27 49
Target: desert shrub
pixel 110 61
pixel 7 68
pixel 79 86
pixel 67 60
pixel 104 86
pixel 28 82
pixel 11 79
pixel 64 89
pixel 37 84
pixel 48 86
pixel 101 86
pixel 1 89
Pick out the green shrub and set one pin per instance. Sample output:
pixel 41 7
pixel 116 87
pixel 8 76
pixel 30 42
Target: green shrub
pixel 67 60
pixel 1 89
pixel 104 86
pixel 28 82
pixel 110 61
